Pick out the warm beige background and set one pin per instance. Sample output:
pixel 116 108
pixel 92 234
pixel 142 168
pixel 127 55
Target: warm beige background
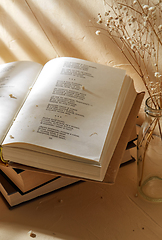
pixel 40 30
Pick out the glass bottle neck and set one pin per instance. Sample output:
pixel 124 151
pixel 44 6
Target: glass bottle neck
pixel 153 106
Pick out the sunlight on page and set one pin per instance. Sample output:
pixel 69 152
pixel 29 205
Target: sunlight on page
pixel 15 81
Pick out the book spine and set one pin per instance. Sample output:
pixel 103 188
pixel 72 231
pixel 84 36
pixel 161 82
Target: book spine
pixel 2 161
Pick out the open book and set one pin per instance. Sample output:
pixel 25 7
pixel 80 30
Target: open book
pixel 65 117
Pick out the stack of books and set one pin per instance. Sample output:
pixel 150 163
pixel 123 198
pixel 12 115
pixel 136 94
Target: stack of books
pixel 70 120
pixel 22 185
pixel 19 186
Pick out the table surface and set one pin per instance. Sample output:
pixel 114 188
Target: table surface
pixel 89 211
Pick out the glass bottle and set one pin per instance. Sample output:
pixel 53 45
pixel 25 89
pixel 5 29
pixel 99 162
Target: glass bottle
pixel 149 151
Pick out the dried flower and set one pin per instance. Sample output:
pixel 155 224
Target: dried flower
pixel 157 75
pixel 133 47
pixel 146 7
pixel 151 9
pixel 98 32
pixel 107 13
pixel 99 21
pixel 160 27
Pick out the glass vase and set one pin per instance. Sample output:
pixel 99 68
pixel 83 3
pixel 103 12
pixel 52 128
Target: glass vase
pixel 149 151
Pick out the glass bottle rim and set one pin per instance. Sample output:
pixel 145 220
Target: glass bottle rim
pixel 153 105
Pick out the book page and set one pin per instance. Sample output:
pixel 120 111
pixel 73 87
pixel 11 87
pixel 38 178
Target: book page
pixel 69 108
pixel 15 81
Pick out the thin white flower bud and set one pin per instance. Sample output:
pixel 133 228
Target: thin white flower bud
pixel 160 27
pixel 146 7
pixel 99 21
pixel 98 32
pixel 151 9
pixel 133 47
pixel 157 74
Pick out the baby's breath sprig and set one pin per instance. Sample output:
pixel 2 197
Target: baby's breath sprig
pixel 136 29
